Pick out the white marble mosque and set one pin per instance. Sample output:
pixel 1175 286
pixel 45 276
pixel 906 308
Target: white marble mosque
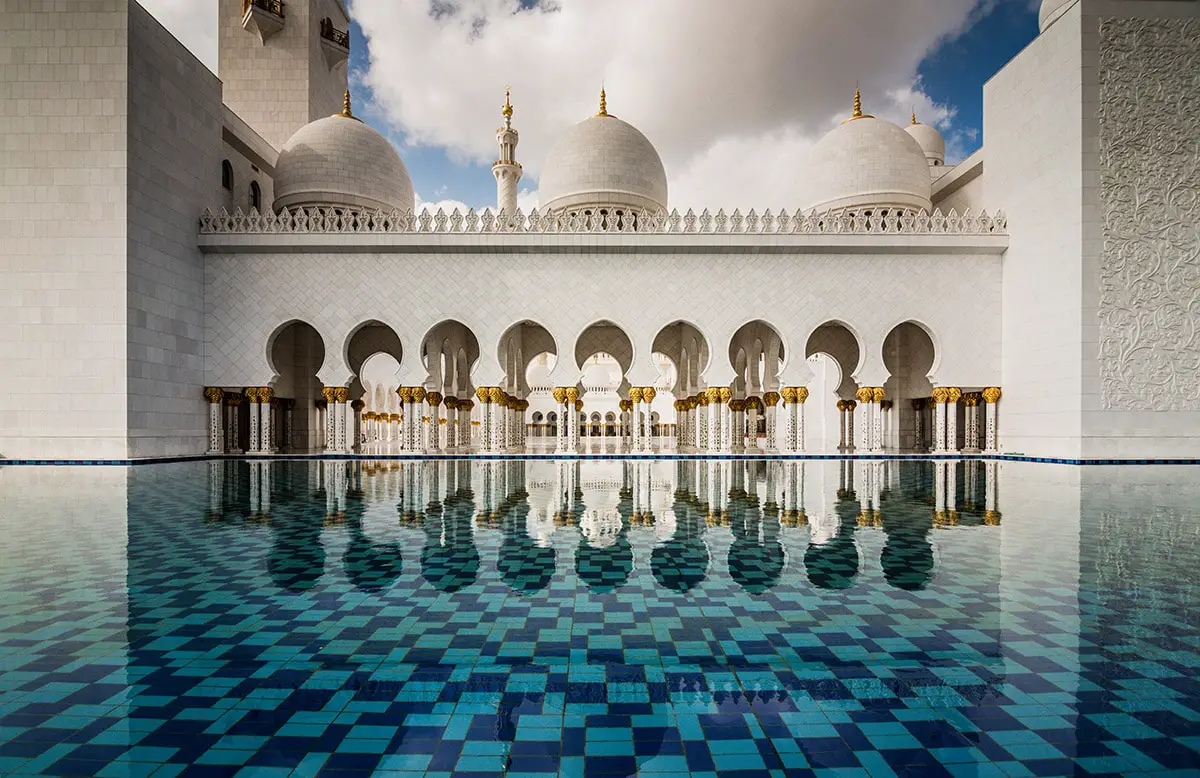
pixel 199 265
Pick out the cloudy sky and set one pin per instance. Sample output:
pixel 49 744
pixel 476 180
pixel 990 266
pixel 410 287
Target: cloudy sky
pixel 732 98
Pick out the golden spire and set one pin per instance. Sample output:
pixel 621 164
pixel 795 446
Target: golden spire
pixel 346 106
pixel 858 113
pixel 603 103
pixel 914 121
pixel 507 110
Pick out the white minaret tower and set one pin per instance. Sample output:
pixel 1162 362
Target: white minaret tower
pixel 506 169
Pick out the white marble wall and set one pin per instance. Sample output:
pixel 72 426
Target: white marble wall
pixel 249 296
pixel 174 142
pixel 63 229
pixel 1141 229
pixel 282 85
pixel 1033 145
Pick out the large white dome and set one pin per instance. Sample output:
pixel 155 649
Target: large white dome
pixel 1051 11
pixel 341 161
pixel 868 163
pixel 603 162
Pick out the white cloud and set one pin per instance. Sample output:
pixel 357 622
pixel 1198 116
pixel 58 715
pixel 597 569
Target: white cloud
pixel 445 205
pixel 731 96
pixel 193 22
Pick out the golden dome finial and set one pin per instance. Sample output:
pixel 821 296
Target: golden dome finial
pixel 858 112
pixel 914 121
pixel 507 110
pixel 603 103
pixel 346 106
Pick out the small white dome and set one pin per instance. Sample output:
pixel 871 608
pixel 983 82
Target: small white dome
pixel 603 162
pixel 341 161
pixel 868 163
pixel 930 141
pixel 1051 11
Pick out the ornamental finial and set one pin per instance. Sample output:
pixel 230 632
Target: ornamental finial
pixel 346 106
pixel 858 112
pixel 914 118
pixel 507 110
pixel 603 103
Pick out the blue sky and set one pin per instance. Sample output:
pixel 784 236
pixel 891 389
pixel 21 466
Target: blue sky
pixel 733 103
pixel 952 74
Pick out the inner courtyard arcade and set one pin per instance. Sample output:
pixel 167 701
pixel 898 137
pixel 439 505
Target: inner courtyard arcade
pixel 375 413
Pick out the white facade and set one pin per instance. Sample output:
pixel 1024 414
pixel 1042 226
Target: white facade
pixel 167 245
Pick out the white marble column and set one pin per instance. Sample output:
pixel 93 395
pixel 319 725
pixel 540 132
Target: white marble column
pixel 798 410
pixel 918 407
pixel 216 426
pixel 702 420
pixel 289 425
pixel 851 407
pixel 255 428
pixel 560 431
pixel 939 418
pixel 573 408
pixel 877 418
pixel 991 396
pixel 952 398
pixel 233 406
pixel 265 444
pixel 648 395
pixel 771 410
pixel 635 419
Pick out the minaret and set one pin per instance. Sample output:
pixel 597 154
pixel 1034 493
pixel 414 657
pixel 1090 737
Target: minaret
pixel 506 169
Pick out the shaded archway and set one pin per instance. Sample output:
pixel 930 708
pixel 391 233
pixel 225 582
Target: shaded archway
pixel 909 355
pixel 833 353
pixel 519 346
pixel 604 353
pixel 449 352
pixel 685 345
pixel 374 354
pixel 296 352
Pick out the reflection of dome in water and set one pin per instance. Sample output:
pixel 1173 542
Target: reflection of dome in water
pixel 907 558
pixel 524 565
pixel 604 569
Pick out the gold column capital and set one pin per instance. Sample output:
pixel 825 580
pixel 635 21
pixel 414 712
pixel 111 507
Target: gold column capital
pixel 841 405
pixel 941 394
pixel 726 394
pixel 265 394
pixel 434 398
pixel 648 394
pixel 635 394
pixel 865 394
pixel 405 393
pixel 214 394
pixel 789 395
pixel 579 405
pixel 560 394
pixel 991 394
pixel 878 394
pixel 771 398
pixel 572 394
pixel 484 393
pixel 418 394
pixel 801 394
pixel 953 394
pixel 342 394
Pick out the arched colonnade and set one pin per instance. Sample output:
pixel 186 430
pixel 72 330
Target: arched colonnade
pixel 695 396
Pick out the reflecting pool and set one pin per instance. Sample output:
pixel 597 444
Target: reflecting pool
pixel 599 617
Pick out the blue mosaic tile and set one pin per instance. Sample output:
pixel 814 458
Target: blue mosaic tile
pixel 577 616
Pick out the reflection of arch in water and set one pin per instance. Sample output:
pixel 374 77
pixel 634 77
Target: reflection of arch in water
pixel 834 564
pixel 297 558
pixel 907 557
pixel 756 558
pixel 524 565
pixel 450 560
pixel 681 563
pixel 370 566
pixel 604 568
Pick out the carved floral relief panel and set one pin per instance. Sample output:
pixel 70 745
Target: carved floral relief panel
pixel 1150 203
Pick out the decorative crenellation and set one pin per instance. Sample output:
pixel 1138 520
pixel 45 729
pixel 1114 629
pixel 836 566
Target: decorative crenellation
pixel 330 220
